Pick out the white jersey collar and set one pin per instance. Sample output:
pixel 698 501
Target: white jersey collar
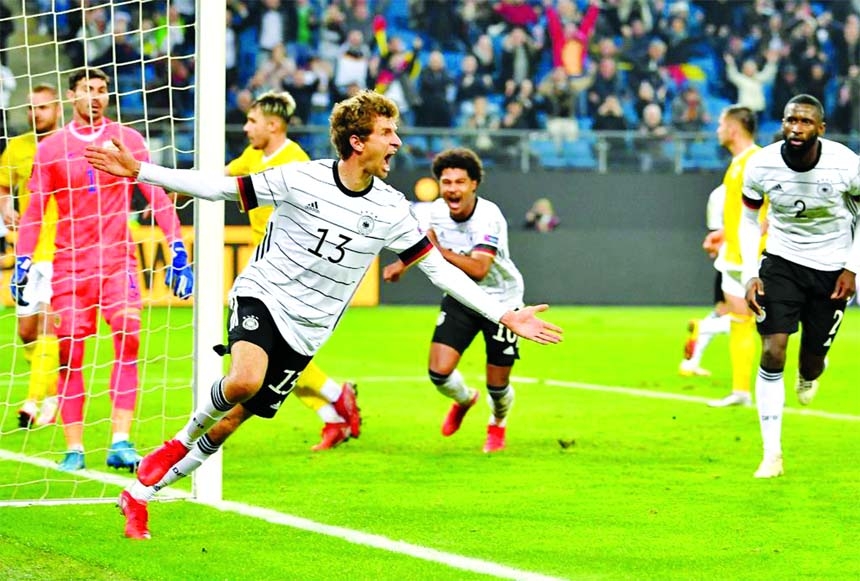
pixel 96 133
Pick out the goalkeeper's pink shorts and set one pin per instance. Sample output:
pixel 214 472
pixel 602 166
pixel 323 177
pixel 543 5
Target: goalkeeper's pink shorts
pixel 79 297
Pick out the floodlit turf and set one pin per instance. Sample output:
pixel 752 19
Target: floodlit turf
pixel 597 484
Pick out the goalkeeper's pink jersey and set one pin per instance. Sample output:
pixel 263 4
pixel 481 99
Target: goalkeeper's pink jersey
pixel 93 206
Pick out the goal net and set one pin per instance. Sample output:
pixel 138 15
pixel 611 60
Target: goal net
pixel 148 50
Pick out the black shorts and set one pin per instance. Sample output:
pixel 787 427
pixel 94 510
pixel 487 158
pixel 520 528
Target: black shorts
pixel 719 297
pixel 251 321
pixel 457 326
pixel 799 294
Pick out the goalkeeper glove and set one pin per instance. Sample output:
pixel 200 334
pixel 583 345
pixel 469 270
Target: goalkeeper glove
pixel 19 279
pixel 180 276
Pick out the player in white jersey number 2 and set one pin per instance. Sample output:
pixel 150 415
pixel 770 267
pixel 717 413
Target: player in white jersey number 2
pixel 811 259
pixel 331 219
pixel 472 234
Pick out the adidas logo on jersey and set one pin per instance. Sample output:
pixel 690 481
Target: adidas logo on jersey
pixel 777 188
pixel 313 207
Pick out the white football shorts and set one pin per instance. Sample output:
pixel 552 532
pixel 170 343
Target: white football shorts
pixel 731 283
pixel 37 291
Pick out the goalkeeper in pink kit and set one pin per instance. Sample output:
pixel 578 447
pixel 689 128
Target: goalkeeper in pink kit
pixel 95 269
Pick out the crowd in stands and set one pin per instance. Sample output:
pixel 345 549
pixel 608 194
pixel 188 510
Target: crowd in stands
pixel 561 68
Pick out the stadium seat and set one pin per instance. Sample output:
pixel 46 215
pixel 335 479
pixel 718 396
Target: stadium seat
pixel 183 144
pixel 715 105
pixel 453 61
pixel 767 130
pixel 547 153
pixel 397 14
pixel 702 155
pixel 131 105
pixel 577 154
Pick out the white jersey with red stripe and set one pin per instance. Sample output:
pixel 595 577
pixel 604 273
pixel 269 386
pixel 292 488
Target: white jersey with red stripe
pixel 811 213
pixel 486 231
pixel 319 243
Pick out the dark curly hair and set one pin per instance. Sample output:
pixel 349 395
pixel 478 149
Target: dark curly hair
pixel 459 158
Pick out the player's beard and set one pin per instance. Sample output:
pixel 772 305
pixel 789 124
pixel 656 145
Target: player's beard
pixel 803 148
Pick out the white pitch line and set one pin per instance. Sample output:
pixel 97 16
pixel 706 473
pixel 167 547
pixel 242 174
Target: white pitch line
pixel 632 391
pixel 384 543
pixel 378 541
pixel 279 518
pixel 688 398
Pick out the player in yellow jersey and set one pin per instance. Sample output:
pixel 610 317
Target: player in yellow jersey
pixel 718 321
pixel 40 343
pixel 736 132
pixel 266 128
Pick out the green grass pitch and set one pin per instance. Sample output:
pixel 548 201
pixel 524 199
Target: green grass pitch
pixel 649 484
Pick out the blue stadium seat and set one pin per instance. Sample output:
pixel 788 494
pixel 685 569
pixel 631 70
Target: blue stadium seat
pixel 131 104
pixel 397 14
pixel 715 105
pixel 767 129
pixel 702 155
pixel 453 61
pixel 577 154
pixel 183 144
pixel 547 153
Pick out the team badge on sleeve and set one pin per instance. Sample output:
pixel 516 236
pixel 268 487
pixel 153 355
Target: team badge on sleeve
pixel 250 323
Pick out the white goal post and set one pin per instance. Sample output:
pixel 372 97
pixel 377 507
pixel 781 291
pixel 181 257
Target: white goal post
pixel 28 457
pixel 209 223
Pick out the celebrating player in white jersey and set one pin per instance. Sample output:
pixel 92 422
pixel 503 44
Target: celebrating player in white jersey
pixel 808 269
pixel 472 234
pixel 331 219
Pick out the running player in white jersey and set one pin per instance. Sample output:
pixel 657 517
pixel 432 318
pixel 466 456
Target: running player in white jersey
pixel 472 234
pixel 331 220
pixel 808 269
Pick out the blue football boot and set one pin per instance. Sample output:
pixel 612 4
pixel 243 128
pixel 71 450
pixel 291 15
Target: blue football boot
pixel 72 461
pixel 123 455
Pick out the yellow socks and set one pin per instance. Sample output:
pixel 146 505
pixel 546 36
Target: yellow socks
pixel 28 351
pixel 44 367
pixel 742 351
pixel 309 386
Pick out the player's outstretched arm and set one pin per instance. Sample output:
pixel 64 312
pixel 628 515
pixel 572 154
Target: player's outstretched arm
pixel 119 161
pixel 454 281
pixel 526 324
pixel 392 272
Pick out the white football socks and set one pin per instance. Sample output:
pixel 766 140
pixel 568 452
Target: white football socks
pixel 501 401
pixel 708 327
pixel 770 401
pixel 455 388
pixel 207 414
